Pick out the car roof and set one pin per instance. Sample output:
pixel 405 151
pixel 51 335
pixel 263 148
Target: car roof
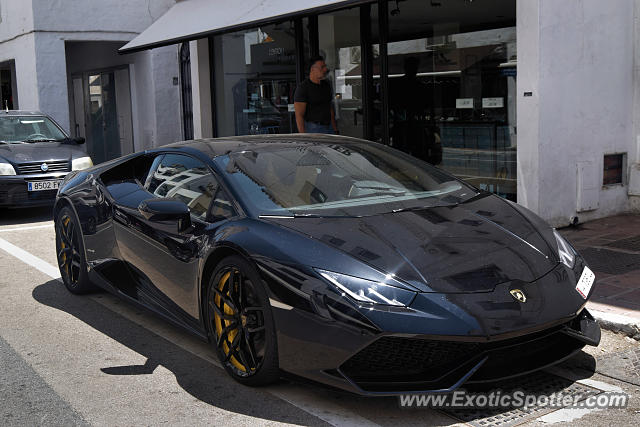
pixel 215 147
pixel 21 113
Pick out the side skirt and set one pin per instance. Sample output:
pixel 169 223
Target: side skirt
pixel 149 303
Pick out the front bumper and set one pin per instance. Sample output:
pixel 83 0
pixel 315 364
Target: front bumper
pixel 437 344
pixel 424 365
pixel 14 193
pixel 397 364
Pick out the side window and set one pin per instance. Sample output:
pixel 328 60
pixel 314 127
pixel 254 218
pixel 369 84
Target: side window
pixel 153 179
pixel 184 178
pixel 222 207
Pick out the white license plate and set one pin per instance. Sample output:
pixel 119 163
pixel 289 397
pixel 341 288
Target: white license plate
pixel 586 281
pixel 43 185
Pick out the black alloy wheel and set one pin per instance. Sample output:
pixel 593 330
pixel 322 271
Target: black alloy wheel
pixel 70 251
pixel 241 324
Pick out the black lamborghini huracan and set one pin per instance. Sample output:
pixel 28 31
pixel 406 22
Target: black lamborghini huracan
pixel 330 258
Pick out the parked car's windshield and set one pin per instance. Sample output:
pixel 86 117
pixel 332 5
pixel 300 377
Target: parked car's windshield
pixel 17 129
pixel 351 179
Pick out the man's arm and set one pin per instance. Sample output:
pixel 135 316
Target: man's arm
pixel 300 108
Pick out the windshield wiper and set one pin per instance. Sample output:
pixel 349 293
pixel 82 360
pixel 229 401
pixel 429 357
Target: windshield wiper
pixel 41 140
pixel 421 208
pixel 292 216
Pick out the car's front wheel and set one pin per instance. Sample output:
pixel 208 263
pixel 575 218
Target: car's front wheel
pixel 70 251
pixel 241 324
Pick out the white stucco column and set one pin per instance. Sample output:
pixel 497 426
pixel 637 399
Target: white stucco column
pixel 51 72
pixel 634 156
pixel 575 105
pixel 22 51
pixel 201 89
pixel 527 103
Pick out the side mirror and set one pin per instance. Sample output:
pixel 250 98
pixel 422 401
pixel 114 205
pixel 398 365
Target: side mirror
pixel 166 210
pixel 79 140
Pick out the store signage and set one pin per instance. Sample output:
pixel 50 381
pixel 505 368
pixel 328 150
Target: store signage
pixel 492 102
pixel 275 51
pixel 464 103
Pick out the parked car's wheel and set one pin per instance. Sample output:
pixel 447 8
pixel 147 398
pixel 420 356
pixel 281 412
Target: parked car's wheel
pixel 70 250
pixel 241 324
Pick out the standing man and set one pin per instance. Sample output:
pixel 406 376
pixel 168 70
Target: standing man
pixel 313 101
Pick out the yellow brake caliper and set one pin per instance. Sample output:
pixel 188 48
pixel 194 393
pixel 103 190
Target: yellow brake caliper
pixel 65 222
pixel 219 322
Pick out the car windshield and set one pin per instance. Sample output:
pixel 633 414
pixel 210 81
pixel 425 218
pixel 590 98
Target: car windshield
pixel 17 129
pixel 346 179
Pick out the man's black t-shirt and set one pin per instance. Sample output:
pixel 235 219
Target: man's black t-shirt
pixel 318 98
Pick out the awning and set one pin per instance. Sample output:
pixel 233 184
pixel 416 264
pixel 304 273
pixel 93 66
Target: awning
pixel 194 19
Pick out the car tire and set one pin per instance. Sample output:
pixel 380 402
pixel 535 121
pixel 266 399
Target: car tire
pixel 240 322
pixel 70 253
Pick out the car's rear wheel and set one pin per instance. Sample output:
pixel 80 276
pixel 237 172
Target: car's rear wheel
pixel 70 251
pixel 241 324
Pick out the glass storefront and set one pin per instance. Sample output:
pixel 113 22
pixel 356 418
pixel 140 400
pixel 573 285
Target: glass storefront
pixel 434 79
pixel 255 78
pixel 452 88
pixel 339 43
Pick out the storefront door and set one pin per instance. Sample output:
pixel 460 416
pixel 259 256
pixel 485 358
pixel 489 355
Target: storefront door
pixel 102 113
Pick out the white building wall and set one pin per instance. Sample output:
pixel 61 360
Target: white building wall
pixel 33 34
pixel 16 18
pixel 581 104
pixel 51 76
pixel 94 16
pixel 528 124
pixel 634 157
pixel 201 89
pixel 164 69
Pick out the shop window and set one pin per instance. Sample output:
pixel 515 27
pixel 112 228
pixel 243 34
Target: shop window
pixel 452 83
pixel 614 165
pixel 255 79
pixel 340 45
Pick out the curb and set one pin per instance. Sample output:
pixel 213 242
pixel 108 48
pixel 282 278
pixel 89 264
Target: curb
pixel 618 323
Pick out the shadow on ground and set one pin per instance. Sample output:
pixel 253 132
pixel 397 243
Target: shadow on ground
pixel 24 216
pixel 199 378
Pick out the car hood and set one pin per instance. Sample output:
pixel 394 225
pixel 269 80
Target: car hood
pixel 466 248
pixel 39 152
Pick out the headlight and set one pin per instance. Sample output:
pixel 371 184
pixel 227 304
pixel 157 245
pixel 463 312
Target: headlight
pixel 81 163
pixel 7 169
pixel 368 291
pixel 565 251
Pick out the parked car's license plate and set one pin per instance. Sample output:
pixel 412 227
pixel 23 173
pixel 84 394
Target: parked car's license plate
pixel 44 185
pixel 586 281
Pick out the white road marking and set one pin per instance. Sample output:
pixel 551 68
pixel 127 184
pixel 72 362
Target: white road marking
pixel 326 410
pixel 305 400
pixel 565 415
pixel 600 385
pixel 32 227
pixel 30 259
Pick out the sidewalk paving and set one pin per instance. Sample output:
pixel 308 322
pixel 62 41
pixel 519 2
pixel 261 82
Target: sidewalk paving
pixel 611 247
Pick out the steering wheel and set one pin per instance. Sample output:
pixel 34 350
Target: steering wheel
pixel 37 136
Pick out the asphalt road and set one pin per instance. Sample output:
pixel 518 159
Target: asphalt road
pixel 95 360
